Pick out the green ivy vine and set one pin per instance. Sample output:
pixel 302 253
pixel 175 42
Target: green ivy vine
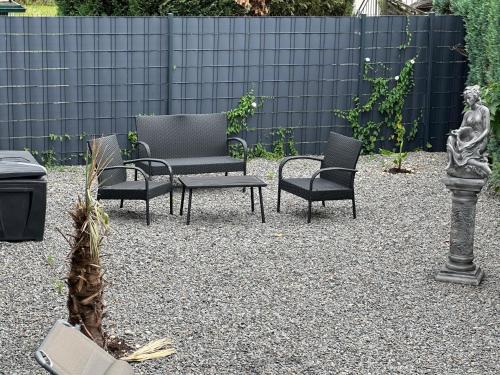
pixel 247 106
pixel 388 96
pixel 238 122
pixel 282 146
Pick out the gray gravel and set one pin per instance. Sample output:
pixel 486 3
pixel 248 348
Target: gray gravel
pixel 337 296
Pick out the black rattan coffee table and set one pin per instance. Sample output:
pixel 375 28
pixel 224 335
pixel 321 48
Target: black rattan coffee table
pixel 221 182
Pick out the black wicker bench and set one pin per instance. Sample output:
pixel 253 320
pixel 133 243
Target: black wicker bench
pixel 190 144
pixel 220 182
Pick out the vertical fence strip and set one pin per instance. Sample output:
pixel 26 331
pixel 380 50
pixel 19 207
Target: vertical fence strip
pixel 170 62
pixel 362 26
pixel 430 49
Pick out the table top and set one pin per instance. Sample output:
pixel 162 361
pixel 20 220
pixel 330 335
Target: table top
pixel 193 182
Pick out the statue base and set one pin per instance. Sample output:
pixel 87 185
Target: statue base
pixel 460 267
pixel 461 277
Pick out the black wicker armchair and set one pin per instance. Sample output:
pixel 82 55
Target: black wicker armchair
pixel 333 181
pixel 113 182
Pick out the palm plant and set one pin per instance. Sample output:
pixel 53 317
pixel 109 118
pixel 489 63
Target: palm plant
pixel 85 279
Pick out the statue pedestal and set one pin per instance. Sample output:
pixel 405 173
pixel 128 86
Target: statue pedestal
pixel 460 267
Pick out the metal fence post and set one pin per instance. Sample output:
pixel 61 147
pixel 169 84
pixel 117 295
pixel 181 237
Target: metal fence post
pixel 430 49
pixel 170 61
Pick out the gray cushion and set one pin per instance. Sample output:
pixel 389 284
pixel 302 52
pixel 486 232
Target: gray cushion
pixel 133 190
pixel 323 189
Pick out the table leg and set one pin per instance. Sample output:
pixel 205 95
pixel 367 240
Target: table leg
pixel 251 199
pixel 182 199
pixel 261 205
pixel 189 206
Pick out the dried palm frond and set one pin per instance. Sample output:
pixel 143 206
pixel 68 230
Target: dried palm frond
pixel 97 220
pixel 153 350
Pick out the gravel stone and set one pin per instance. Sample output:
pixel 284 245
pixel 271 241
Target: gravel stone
pixel 337 296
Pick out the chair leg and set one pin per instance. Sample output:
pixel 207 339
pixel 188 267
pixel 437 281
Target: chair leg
pixel 279 200
pixel 182 199
pixel 244 174
pixel 261 205
pixel 353 208
pixel 324 205
pixel 251 199
pixel 147 212
pixel 309 211
pixel 171 202
pixel 121 203
pixel 188 219
pixel 225 173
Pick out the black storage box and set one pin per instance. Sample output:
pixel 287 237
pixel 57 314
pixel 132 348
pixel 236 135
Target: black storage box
pixel 23 197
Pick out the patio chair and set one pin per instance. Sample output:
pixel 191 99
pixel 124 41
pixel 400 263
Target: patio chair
pixel 67 351
pixel 113 182
pixel 333 181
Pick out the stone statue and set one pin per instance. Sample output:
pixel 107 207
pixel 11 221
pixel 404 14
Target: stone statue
pixel 466 146
pixel 467 171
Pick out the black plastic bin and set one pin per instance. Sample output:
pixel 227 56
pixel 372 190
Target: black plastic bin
pixel 23 197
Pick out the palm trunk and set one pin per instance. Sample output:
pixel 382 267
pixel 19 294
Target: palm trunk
pixel 85 280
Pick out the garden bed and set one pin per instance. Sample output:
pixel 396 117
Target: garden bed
pixel 239 297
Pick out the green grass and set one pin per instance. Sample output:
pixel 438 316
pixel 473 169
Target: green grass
pixel 39 10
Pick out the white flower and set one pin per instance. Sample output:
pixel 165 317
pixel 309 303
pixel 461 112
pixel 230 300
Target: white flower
pixel 396 78
pixel 412 61
pixel 254 104
pixel 367 59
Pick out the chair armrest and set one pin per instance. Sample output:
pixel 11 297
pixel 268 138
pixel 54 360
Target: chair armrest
pixel 243 143
pixel 149 160
pixel 136 169
pixel 145 145
pixel 340 169
pixel 287 159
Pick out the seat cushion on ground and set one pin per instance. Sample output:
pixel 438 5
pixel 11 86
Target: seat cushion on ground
pixel 133 190
pixel 209 164
pixel 322 189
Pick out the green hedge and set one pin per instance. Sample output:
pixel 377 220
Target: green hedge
pixel 200 7
pixel 482 44
pixel 310 7
pixel 92 7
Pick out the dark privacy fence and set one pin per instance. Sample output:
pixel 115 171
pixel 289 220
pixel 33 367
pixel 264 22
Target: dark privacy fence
pixel 64 79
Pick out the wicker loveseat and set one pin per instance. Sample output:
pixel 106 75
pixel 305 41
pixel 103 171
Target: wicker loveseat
pixel 190 144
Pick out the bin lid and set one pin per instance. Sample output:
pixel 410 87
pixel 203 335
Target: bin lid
pixel 18 165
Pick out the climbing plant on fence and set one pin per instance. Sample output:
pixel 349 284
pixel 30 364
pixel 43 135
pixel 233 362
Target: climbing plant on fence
pixel 283 143
pixel 387 96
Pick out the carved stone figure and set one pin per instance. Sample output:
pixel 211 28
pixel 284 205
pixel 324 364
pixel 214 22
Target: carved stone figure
pixel 466 146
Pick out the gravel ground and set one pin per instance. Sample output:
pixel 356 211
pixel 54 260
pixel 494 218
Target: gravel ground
pixel 237 296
